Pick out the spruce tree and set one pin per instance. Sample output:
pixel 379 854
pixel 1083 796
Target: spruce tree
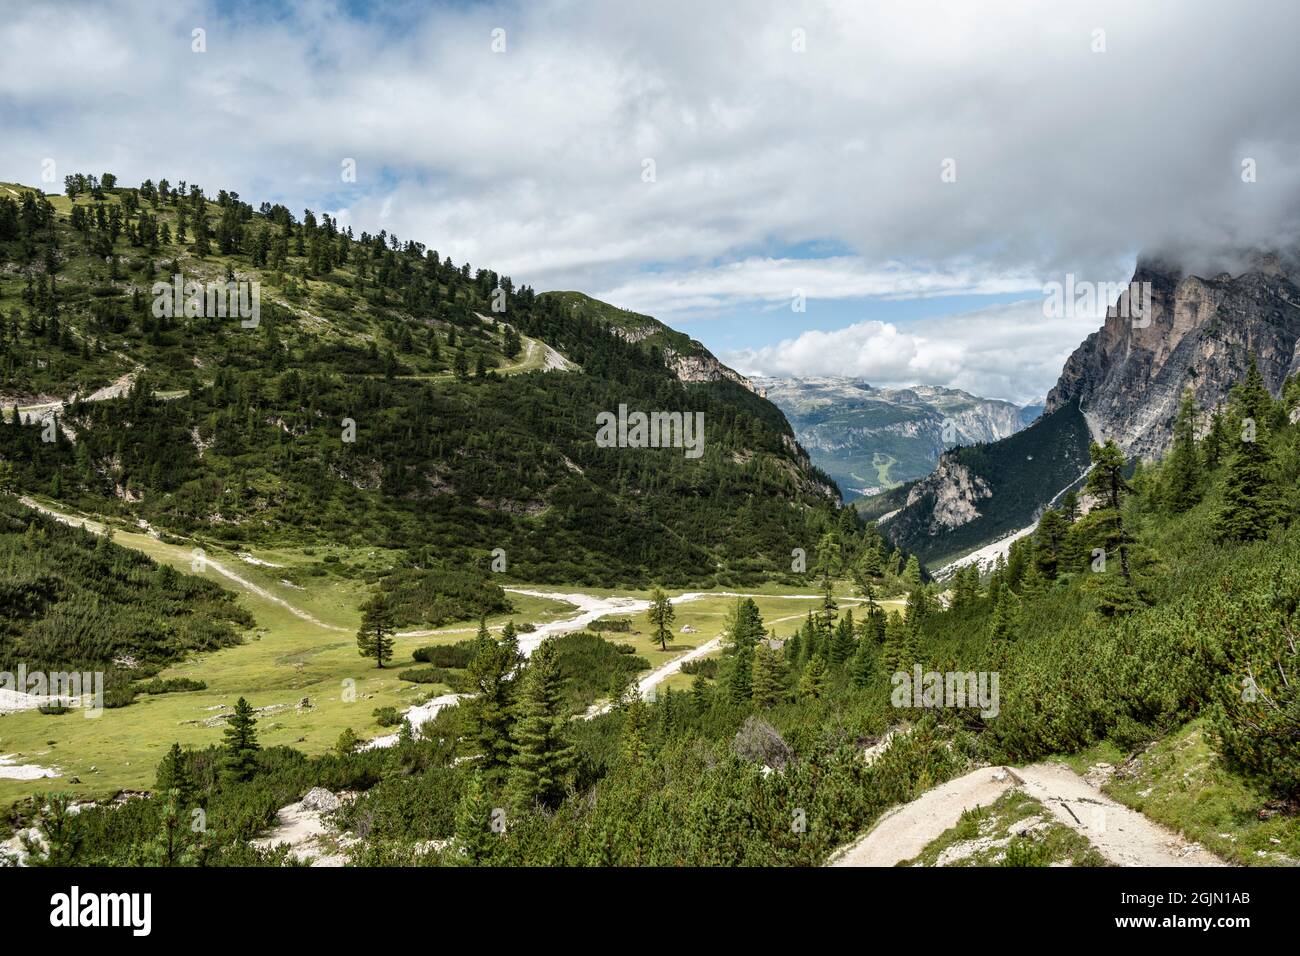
pixel 769 676
pixel 541 757
pixel 474 833
pixel 1049 539
pixel 240 760
pixel 863 664
pixel 812 683
pixel 1004 625
pixel 1249 496
pixel 841 648
pixel 174 775
pixel 489 674
pixel 1106 480
pixel 1183 469
pixel 894 650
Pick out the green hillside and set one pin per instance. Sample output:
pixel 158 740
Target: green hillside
pixel 1173 661
pixel 1020 472
pixel 463 442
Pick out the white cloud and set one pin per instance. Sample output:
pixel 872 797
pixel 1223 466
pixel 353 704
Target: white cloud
pixel 1012 352
pixel 777 282
pixel 530 161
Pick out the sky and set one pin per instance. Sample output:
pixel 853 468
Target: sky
pixel 879 190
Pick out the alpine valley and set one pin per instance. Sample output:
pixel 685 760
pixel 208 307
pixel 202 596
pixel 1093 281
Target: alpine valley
pixel 363 586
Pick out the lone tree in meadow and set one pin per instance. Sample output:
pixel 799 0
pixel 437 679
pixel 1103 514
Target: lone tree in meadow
pixel 375 639
pixel 661 615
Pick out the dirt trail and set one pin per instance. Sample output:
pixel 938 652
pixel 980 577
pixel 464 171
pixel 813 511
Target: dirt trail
pixel 96 527
pixel 1122 835
pixel 903 832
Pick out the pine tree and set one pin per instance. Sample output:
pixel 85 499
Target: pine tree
pixel 633 746
pixel 1218 440
pixel 812 683
pixel 1183 470
pixel 174 775
pixel 1050 537
pixel 375 637
pixel 863 665
pixel 1004 625
pixel 769 676
pixel 1032 583
pixel 912 573
pixel 744 629
pixel 240 762
pixel 894 651
pixel 474 818
pixel 489 674
pixel 1106 480
pixel 661 615
pixel 60 832
pixel 1070 506
pixel 541 758
pixel 1249 496
pixel 841 648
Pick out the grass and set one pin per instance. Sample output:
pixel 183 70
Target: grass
pixel 1180 781
pixel 1014 830
pixel 286 658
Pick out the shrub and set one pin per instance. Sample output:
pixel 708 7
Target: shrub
pixel 446 655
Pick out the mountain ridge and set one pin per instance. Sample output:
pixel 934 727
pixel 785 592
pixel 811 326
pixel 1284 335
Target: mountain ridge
pixel 870 438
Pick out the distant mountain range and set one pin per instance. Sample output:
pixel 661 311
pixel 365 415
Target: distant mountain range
pixel 872 439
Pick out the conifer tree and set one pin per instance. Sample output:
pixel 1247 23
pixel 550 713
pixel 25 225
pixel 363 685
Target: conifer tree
pixel 174 774
pixel 863 664
pixel 812 683
pixel 474 833
pixel 1049 539
pixel 1106 480
pixel 1032 583
pixel 241 747
pixel 841 648
pixel 489 674
pixel 745 629
pixel 633 746
pixel 1183 468
pixel 661 615
pixel 1004 625
pixel 894 650
pixel 1249 496
pixel 912 573
pixel 769 676
pixel 541 757
pixel 375 636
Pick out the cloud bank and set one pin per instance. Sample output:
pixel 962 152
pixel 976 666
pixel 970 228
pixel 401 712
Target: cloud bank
pixel 1078 134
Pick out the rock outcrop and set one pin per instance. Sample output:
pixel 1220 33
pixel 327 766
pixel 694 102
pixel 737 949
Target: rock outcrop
pixel 1199 333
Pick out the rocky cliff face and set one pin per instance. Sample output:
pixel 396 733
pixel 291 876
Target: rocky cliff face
pixel 953 495
pixel 703 368
pixel 1128 377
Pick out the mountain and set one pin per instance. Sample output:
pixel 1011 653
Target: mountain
pixel 1129 376
pixel 980 493
pixel 383 397
pixel 870 439
pixel 1123 382
pixel 688 359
